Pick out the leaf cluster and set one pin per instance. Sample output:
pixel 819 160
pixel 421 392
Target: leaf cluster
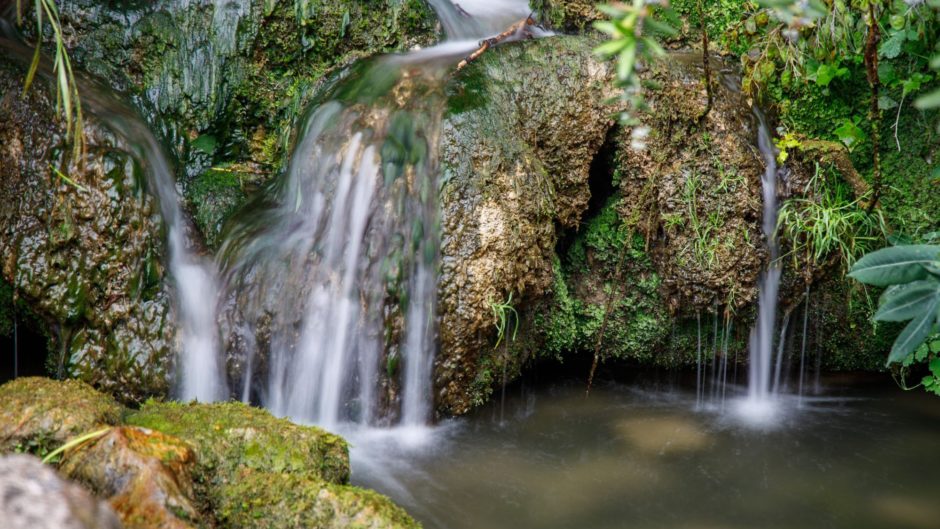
pixel 912 275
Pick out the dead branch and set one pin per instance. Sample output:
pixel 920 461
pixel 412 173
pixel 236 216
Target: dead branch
pixel 486 44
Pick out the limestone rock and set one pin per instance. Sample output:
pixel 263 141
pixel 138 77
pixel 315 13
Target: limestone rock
pixel 84 256
pixel 516 150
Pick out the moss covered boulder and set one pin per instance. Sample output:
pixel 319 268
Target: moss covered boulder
pixel 80 241
pixel 255 468
pixel 516 151
pixel 39 414
pixel 145 475
pixel 295 501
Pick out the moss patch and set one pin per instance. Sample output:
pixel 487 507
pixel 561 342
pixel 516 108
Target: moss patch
pixel 39 414
pixel 232 435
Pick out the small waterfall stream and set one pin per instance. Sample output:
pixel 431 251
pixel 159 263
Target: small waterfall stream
pixel 762 392
pixel 330 277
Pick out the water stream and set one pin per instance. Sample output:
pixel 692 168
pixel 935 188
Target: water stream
pixel 330 277
pixel 761 395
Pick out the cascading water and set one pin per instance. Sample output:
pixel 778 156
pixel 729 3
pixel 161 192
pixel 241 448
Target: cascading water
pixel 330 277
pixel 193 277
pixel 761 395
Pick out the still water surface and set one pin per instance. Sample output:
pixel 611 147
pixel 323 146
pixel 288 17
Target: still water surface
pixel 862 454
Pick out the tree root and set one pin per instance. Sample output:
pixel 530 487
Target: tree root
pixel 485 44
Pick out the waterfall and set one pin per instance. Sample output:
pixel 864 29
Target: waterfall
pixel 761 395
pixel 329 277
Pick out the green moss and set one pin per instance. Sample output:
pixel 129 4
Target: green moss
pixel 586 278
pixel 214 195
pixel 230 436
pixel 39 414
pixel 255 468
pixel 842 330
pixel 289 501
pixel 558 327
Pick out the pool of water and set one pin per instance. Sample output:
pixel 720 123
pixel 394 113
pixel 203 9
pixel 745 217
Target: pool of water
pixel 861 454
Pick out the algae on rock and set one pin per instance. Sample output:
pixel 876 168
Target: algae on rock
pixel 84 257
pixel 38 414
pixel 516 149
pixel 253 466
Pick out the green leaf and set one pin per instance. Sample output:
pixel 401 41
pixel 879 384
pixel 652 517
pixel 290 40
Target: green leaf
pixel 612 47
pixel 606 26
pixel 827 72
pixel 914 334
pixel 895 265
pixel 891 48
pixel 908 301
pixel 626 62
pixel 849 133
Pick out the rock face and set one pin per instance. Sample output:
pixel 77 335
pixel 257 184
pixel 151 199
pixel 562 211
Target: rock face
pixel 224 83
pixel 80 243
pixel 145 475
pixel 695 191
pixel 39 414
pixel 544 199
pixel 516 150
pixel 33 496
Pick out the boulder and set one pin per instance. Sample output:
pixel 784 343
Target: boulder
pixel 38 414
pixel 34 496
pixel 80 241
pixel 516 152
pixel 253 466
pixel 145 475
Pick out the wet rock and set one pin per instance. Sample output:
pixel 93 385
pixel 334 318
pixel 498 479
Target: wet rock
pixel 145 475
pixel 226 81
pixel 39 414
pixel 674 228
pixel 516 150
pixel 290 501
pixel 254 467
pixel 34 496
pixel 80 243
pixel 231 435
pixel 567 15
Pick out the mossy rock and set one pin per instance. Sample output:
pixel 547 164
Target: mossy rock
pixel 39 414
pixel 516 152
pixel 253 468
pixel 145 475
pixel 567 15
pixel 292 501
pixel 84 259
pixel 232 436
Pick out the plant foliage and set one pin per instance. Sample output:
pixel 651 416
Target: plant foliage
pixel 68 103
pixel 912 275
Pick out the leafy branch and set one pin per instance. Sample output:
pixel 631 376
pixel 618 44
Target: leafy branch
pixel 632 29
